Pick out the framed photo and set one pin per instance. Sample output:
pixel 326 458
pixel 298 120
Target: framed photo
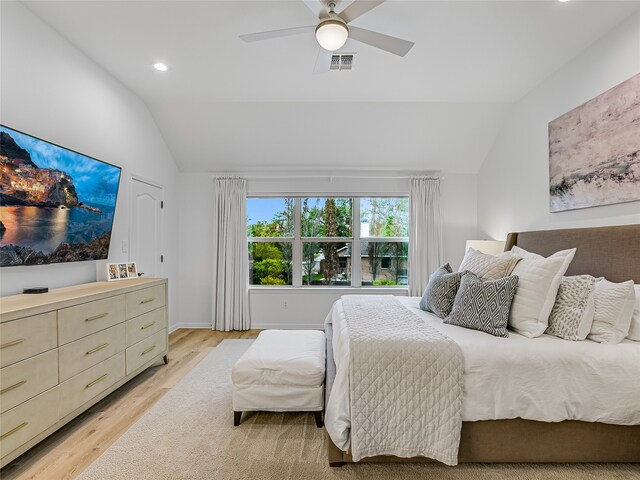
pixel 112 272
pixel 121 271
pixel 132 270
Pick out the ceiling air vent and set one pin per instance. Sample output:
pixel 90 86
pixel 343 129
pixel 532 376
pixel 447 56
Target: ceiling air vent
pixel 343 61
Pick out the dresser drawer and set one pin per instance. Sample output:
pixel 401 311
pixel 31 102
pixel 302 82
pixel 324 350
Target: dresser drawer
pixel 89 351
pixel 22 423
pixel 27 337
pixel 82 320
pixel 146 325
pixel 83 387
pixel 145 300
pixel 28 378
pixel 142 352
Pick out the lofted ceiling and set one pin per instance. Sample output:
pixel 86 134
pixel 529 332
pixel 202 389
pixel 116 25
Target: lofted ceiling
pixel 228 105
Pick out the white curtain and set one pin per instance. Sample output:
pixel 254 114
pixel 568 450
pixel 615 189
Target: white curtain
pixel 230 256
pixel 425 232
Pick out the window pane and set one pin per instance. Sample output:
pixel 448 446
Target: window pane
pixel 384 263
pixel 270 217
pixel 326 217
pixel 326 263
pixel 270 263
pixel 384 217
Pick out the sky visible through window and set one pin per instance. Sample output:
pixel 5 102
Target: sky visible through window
pixel 263 209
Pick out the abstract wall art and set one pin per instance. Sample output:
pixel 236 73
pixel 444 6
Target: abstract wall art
pixel 594 151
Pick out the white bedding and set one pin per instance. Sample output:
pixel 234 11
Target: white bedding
pixel 546 378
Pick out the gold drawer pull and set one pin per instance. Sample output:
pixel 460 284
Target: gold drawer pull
pixel 148 300
pixel 14 430
pixel 150 324
pixel 97 349
pixel 97 380
pixel 96 317
pixel 12 387
pixel 148 350
pixel 12 343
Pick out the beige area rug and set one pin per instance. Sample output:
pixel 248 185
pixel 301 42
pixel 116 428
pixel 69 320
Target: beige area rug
pixel 188 434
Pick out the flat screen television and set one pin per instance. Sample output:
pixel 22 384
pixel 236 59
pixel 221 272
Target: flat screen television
pixel 56 205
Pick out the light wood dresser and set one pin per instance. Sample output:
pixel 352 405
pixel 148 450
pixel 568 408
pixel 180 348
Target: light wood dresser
pixel 63 351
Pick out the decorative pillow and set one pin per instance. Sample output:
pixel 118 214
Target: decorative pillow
pixel 488 267
pixel 614 308
pixel 441 291
pixel 539 282
pixel 483 304
pixel 634 329
pixel 572 314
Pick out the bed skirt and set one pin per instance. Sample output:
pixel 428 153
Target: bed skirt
pixel 528 441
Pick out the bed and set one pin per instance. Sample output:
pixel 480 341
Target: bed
pixel 604 423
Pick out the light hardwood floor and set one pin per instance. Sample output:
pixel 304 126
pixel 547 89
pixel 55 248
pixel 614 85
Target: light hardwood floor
pixel 67 452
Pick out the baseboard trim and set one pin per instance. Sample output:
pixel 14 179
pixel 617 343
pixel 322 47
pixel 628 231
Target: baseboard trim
pixel 286 326
pixel 258 326
pixel 178 326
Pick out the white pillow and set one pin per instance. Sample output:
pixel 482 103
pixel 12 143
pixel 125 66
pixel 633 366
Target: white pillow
pixel 634 329
pixel 539 282
pixel 614 309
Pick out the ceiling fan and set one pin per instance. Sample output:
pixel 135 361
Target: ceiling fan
pixel 333 30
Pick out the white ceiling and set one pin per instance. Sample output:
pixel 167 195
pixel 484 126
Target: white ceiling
pixel 242 136
pixel 470 58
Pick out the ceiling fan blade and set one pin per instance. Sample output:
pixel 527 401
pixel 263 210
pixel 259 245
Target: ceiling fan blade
pixel 323 61
pixel 285 32
pixel 317 8
pixel 380 40
pixel 358 8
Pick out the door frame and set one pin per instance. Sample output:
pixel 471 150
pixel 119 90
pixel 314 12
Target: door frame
pixel 139 178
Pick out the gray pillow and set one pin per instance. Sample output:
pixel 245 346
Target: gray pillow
pixel 572 314
pixel 483 305
pixel 441 291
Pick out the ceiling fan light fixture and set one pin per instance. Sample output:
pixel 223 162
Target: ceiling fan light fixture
pixel 332 34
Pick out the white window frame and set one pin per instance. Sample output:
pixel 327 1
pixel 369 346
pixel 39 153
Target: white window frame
pixel 297 240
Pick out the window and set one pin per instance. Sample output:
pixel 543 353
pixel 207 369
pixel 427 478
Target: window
pixel 384 228
pixel 314 241
pixel 270 228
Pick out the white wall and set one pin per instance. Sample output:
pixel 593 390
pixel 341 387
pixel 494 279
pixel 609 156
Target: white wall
pixel 513 189
pixel 304 308
pixel 52 90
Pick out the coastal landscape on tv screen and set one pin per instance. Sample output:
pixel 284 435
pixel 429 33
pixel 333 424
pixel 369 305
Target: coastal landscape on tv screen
pixel 56 205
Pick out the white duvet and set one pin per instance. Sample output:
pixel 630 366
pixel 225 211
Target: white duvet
pixel 545 378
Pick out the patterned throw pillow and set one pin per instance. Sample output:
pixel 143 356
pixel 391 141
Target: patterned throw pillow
pixel 483 304
pixel 488 267
pixel 572 314
pixel 441 291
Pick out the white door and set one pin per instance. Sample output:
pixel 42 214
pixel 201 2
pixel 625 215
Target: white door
pixel 145 246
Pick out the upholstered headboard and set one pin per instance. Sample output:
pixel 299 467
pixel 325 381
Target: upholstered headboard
pixel 610 252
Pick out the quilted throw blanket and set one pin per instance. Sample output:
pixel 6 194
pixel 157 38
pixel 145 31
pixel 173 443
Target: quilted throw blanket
pixel 405 382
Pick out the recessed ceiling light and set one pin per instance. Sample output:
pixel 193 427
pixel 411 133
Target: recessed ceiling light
pixel 563 1
pixel 161 67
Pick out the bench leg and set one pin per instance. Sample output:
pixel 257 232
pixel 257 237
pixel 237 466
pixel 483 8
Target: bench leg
pixel 236 418
pixel 318 417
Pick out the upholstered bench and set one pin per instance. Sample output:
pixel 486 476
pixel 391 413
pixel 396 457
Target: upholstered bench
pixel 282 371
